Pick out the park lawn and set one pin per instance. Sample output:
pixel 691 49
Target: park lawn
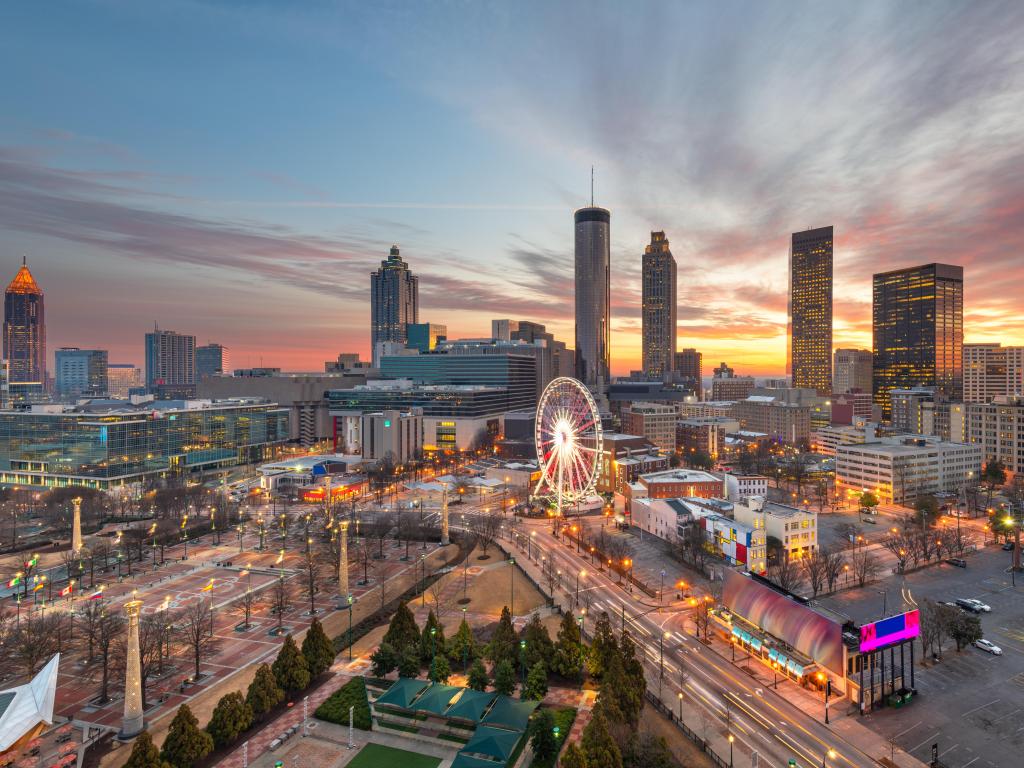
pixel 379 756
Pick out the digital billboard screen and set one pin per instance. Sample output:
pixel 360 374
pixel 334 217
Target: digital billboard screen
pixel 816 636
pixel 894 629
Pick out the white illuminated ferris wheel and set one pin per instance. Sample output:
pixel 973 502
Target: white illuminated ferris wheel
pixel 568 439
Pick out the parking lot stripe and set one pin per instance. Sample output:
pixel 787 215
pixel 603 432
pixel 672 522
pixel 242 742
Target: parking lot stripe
pixel 908 729
pixel 930 739
pixel 994 701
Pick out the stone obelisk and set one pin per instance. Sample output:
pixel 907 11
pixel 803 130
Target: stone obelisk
pixel 76 527
pixel 444 522
pixel 132 723
pixel 343 565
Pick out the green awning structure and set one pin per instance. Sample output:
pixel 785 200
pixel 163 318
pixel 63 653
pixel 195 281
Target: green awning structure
pixel 471 705
pixel 436 699
pixel 462 760
pixel 402 693
pixel 513 714
pixel 495 743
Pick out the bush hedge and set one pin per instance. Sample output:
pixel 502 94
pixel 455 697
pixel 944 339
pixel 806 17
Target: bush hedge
pixel 564 718
pixel 335 707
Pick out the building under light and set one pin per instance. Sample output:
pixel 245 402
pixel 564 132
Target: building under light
pixel 810 310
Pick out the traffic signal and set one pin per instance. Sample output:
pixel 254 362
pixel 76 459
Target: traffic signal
pixel 828 687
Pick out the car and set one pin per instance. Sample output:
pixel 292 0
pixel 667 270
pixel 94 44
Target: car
pixel 988 647
pixel 973 605
pixel 1008 546
pixel 959 562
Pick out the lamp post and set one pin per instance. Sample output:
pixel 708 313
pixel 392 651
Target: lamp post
pixel 831 754
pixel 351 601
pixel 465 649
pixel 826 689
pixel 731 740
pixel 680 696
pixel 512 586
pixel 578 575
pixel 522 659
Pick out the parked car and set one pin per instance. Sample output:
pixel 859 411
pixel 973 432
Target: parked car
pixel 1008 546
pixel 973 605
pixel 988 647
pixel 959 562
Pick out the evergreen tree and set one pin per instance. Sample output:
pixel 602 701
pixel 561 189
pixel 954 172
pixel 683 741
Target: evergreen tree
pixel 462 647
pixel 439 669
pixel 186 743
pixel 573 757
pixel 634 671
pixel 598 745
pixel 504 645
pixel 504 677
pixel 264 693
pixel 290 668
pixel 318 649
pixel 478 679
pixel 431 645
pixel 383 660
pixel 144 753
pixel 543 741
pixel 230 718
pixel 409 661
pixel 538 642
pixel 603 646
pixel 536 682
pixel 620 693
pixel 570 652
pixel 402 630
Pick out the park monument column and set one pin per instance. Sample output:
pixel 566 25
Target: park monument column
pixel 76 527
pixel 132 724
pixel 444 522
pixel 343 565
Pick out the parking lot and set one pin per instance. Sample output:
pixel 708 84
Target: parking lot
pixel 971 703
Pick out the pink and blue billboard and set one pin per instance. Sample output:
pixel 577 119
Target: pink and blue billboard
pixel 895 629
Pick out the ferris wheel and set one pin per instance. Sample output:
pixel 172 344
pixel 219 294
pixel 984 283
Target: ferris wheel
pixel 568 439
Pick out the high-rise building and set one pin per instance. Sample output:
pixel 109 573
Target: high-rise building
pixel 992 371
pixel 998 427
pixel 170 363
pixel 593 299
pixel 658 305
pixel 688 365
pixel 726 385
pixel 212 360
pixel 424 336
pixel 654 421
pixel 394 302
pixel 851 370
pixel 80 371
pixel 918 331
pixel 25 331
pixel 810 310
pixel 122 378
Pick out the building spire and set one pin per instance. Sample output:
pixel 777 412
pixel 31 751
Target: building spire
pixel 591 186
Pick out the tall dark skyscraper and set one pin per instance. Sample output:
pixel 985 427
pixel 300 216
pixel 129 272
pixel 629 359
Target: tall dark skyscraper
pixel 394 302
pixel 25 330
pixel 658 307
pixel 593 299
pixel 918 331
pixel 810 309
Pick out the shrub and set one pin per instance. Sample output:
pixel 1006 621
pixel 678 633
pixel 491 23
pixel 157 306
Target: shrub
pixel 351 694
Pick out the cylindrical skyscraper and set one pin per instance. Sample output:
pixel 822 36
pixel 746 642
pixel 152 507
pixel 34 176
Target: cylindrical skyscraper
pixel 593 300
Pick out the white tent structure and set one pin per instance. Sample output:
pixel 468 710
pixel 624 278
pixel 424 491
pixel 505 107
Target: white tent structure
pixel 25 708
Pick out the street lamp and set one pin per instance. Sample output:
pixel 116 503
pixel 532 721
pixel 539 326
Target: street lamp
pixel 680 695
pixel 731 740
pixel 522 658
pixel 831 755
pixel 578 575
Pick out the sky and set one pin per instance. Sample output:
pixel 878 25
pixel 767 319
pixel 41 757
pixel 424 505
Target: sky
pixel 236 170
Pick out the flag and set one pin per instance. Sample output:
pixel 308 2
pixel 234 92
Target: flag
pixel 66 591
pixel 14 582
pixel 208 587
pixel 96 595
pixel 39 586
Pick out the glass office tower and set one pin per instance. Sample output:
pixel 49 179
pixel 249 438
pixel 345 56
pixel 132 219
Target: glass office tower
pixel 810 309
pixel 593 299
pixel 658 307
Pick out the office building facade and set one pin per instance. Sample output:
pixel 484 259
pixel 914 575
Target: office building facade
pixel 394 301
pixel 658 307
pixel 425 336
pixel 997 428
pixel 992 371
pixel 726 385
pixel 393 435
pixel 918 331
pixel 782 421
pixel 170 363
pixel 25 331
pixel 655 422
pixel 212 360
pixel 810 310
pixel 80 371
pixel 122 378
pixel 593 299
pixel 688 367
pixel 851 370
pixel 514 373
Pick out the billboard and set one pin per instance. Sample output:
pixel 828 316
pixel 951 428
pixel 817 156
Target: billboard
pixel 816 636
pixel 895 629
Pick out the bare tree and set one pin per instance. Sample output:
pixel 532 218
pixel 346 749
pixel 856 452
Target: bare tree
pixel 280 601
pixel 194 624
pixel 486 526
pixel 702 618
pixel 441 600
pixel 34 640
pixel 785 572
pixel 814 568
pixel 312 573
pixel 834 563
pixel 104 630
pixel 865 566
pixel 900 545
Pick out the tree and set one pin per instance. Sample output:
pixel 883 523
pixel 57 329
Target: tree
pixel 32 643
pixel 648 751
pixel 926 510
pixel 186 743
pixel 462 647
pixel 402 631
pixel 312 581
pixel 570 652
pixel 598 746
pixel 603 646
pixel 280 602
pixel 543 740
pixel 993 475
pixel 539 647
pixel 432 638
pixel 785 572
pixel 439 669
pixel 865 566
pixel 834 562
pixel 144 753
pixel 318 649
pixel 965 630
pixel 868 501
pixel 536 682
pixel 230 718
pixel 504 677
pixel 290 668
pixel 409 661
pixel 196 628
pixel 635 684
pixel 573 757
pixel 503 643
pixel 814 568
pixel 486 527
pixel 264 693
pixel 478 679
pixel 383 660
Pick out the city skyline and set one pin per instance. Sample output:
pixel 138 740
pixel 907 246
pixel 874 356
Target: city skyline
pixel 254 220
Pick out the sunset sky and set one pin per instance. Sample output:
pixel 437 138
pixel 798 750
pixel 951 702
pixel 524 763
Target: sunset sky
pixel 236 170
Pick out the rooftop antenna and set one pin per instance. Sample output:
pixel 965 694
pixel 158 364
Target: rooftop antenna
pixel 591 186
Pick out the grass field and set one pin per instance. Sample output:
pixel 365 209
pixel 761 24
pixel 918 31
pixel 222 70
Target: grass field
pixel 377 756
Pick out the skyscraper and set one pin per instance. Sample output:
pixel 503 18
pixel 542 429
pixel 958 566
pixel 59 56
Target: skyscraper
pixel 593 299
pixel 918 331
pixel 25 330
pixel 851 369
pixel 810 309
pixel 658 307
pixel 212 360
pixel 394 302
pixel 80 371
pixel 170 363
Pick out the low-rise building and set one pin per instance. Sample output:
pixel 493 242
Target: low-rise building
pixel 795 528
pixel 850 407
pixel 827 439
pixel 655 422
pixel 705 409
pixel 393 435
pixel 997 428
pixel 704 435
pixel 674 483
pixel 784 422
pixel 735 541
pixel 726 385
pixel 623 459
pixel 740 487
